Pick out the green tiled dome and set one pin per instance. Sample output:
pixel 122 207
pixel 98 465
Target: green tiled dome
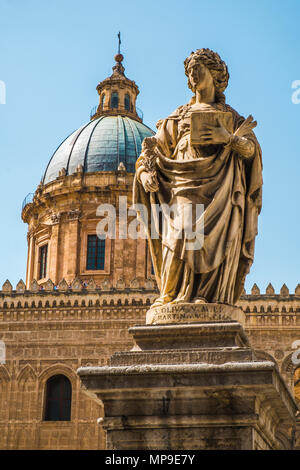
pixel 100 145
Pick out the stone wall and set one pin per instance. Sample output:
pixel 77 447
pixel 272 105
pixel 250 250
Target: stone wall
pixel 53 332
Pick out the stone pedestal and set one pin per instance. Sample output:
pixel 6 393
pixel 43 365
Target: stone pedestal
pixel 192 385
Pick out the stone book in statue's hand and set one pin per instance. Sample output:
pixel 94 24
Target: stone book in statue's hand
pixel 199 121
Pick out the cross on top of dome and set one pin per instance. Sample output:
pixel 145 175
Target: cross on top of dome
pixel 118 67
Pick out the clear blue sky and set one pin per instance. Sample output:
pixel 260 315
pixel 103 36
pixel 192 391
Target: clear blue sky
pixel 53 54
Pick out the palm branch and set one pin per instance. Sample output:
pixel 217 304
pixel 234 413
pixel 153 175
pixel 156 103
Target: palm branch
pixel 246 127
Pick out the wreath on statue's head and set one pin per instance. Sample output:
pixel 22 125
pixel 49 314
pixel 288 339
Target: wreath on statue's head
pixel 217 67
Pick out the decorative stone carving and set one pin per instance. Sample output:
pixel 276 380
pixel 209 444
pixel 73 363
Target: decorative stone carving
pixel 40 187
pixel 297 290
pixel 284 291
pixel 91 285
pixel 49 286
pixel 105 285
pixel 134 284
pixel 255 290
pixel 279 354
pixel 55 218
pixel 62 172
pixel 76 285
pixel 74 214
pixel 20 287
pixel 120 284
pixel 63 285
pixel 79 169
pixel 270 289
pixel 121 174
pixel 7 287
pixel 34 287
pixel 121 167
pixel 149 284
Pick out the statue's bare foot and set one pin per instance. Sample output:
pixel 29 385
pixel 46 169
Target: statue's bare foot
pixel 165 301
pixel 199 300
pixel 159 302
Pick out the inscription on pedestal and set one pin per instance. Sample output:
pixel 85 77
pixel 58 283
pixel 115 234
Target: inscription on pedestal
pixel 189 313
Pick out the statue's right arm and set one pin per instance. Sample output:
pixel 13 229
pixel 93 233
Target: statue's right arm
pixel 145 178
pixel 166 142
pixel 139 170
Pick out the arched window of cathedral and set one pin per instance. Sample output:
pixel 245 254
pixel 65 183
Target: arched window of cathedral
pixel 58 399
pixel 127 102
pixel 102 100
pixel 95 258
pixel 43 256
pixel 114 100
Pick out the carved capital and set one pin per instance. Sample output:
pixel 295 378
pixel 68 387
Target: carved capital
pixel 74 214
pixel 55 218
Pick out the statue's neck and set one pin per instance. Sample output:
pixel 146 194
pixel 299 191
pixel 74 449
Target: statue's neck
pixel 207 95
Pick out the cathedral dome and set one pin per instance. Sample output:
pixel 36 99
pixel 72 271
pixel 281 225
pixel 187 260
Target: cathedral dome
pixel 94 166
pixel 100 145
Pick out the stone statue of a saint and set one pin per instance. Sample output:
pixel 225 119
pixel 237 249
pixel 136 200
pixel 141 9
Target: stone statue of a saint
pixel 203 153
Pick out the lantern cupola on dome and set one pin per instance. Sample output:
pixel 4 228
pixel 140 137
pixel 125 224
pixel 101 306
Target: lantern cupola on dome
pixel 117 94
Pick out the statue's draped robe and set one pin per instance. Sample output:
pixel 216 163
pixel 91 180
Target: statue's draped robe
pixel 229 186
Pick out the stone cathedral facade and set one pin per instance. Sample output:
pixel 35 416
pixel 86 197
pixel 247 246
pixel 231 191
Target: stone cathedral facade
pixel 82 294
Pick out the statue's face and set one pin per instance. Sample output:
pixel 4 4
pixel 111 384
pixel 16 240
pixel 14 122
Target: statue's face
pixel 199 76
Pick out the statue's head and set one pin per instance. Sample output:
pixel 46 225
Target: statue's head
pixel 215 65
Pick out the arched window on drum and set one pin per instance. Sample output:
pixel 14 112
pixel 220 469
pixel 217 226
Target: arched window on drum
pixel 102 101
pixel 114 100
pixel 127 102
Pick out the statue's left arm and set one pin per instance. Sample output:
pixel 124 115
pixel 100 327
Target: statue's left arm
pixel 242 145
pixel 243 140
